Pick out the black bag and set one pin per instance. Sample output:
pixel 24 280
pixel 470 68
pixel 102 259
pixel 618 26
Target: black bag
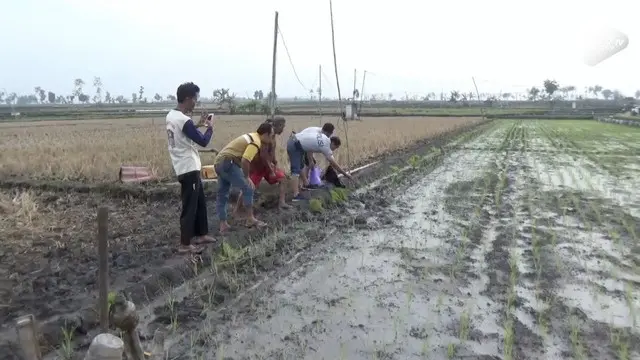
pixel 331 177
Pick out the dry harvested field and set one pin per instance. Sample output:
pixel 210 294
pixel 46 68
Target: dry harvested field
pixel 93 150
pixel 518 241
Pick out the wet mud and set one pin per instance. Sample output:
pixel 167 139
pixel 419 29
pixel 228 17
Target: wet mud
pixel 498 251
pixel 51 266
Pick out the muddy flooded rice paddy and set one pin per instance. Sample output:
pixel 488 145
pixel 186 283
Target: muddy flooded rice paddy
pixel 522 244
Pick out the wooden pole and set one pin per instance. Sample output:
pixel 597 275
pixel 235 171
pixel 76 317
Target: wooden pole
pixel 273 67
pixel 320 92
pixel 28 338
pixel 103 270
pixel 364 76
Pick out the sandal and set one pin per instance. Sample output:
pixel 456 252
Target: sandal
pixel 191 249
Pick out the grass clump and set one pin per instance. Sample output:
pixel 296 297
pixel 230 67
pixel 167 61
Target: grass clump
pixel 339 195
pixel 316 206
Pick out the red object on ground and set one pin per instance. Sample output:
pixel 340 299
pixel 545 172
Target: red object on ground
pixel 257 176
pixel 135 174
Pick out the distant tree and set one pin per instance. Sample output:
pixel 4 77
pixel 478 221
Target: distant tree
pixel 157 97
pixel 97 84
pixel 134 98
pixel 550 87
pixel 83 98
pixel 637 94
pixel 171 97
pixel 490 100
pixel 107 98
pixel 77 87
pixel 70 98
pixel 356 94
pixel 311 92
pixel 60 99
pixel 140 93
pixel 607 94
pixel 506 96
pixel 121 100
pixel 40 94
pixel 617 95
pixel 533 93
pixel 52 97
pixel 454 96
pixel 2 95
pixel 223 97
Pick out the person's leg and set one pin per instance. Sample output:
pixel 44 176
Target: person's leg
pixel 224 185
pixel 237 179
pixel 279 178
pixel 189 211
pixel 201 229
pixel 295 157
pixel 256 177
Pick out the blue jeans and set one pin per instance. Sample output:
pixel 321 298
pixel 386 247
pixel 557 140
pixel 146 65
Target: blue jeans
pixel 296 155
pixel 230 174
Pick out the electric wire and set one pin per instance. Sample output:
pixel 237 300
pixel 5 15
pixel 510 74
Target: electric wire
pixel 286 49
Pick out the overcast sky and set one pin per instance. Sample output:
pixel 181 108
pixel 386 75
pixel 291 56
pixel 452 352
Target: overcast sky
pixel 407 46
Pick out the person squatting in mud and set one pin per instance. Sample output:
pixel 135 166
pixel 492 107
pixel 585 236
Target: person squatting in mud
pixel 305 144
pixel 233 165
pixel 265 166
pixel 182 136
pixel 309 161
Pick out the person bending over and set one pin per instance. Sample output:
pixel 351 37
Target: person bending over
pixel 306 144
pixel 233 165
pixel 182 136
pixel 327 129
pixel 265 165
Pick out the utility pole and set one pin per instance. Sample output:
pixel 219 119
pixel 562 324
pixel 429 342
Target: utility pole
pixel 320 91
pixel 353 94
pixel 362 92
pixel 272 101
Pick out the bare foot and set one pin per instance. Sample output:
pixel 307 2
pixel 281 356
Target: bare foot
pixel 205 239
pixel 190 249
pixel 284 205
pixel 255 223
pixel 224 227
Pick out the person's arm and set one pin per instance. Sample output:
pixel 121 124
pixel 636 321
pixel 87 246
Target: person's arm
pixel 250 152
pixel 337 167
pixel 332 161
pixel 190 130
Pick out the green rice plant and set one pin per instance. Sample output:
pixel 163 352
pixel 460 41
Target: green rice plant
pixel 316 206
pixel 66 347
pixel 576 343
pixel 338 195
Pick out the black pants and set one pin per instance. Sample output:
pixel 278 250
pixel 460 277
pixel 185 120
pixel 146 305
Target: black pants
pixel 193 218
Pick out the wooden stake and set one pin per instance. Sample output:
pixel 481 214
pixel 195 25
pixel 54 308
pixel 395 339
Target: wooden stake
pixel 103 270
pixel 28 338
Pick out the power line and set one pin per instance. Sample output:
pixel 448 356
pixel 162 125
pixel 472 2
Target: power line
pixel 291 61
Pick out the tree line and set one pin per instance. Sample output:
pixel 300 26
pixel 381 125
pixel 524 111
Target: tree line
pixel 549 91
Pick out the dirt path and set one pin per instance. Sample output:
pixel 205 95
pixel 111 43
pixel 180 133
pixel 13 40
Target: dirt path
pixel 501 252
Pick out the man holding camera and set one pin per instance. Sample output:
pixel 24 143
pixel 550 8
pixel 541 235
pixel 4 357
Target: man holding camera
pixel 182 136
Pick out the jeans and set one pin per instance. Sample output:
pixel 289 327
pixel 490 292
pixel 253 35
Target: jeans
pixel 296 155
pixel 230 174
